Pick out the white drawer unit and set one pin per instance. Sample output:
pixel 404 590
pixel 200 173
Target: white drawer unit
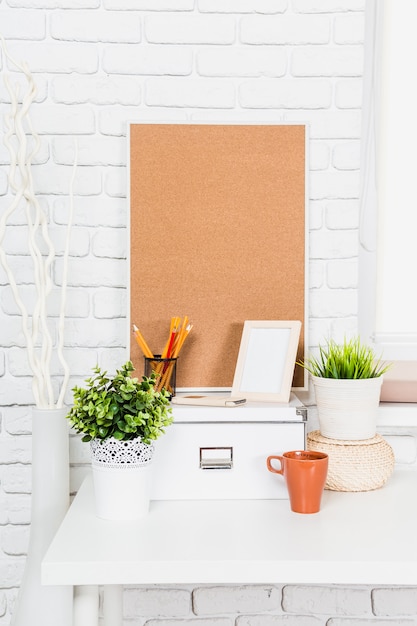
pixel 220 453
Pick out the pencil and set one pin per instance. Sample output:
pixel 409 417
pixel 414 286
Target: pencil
pixel 142 343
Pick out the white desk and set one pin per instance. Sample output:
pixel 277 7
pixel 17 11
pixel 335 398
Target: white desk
pixel 357 538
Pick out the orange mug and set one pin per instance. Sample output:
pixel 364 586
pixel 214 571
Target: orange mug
pixel 305 474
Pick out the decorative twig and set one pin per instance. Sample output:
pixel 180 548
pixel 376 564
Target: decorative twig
pixel 35 329
pixel 64 285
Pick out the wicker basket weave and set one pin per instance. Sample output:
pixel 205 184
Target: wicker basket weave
pixel 354 465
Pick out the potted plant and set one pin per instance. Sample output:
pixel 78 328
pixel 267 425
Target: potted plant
pixel 347 381
pixel 121 417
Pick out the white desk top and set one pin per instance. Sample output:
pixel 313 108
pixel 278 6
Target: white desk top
pixel 357 538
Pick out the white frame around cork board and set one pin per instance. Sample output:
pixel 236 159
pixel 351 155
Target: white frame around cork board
pixel 217 231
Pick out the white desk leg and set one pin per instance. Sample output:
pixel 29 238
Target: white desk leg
pixel 113 605
pixel 85 612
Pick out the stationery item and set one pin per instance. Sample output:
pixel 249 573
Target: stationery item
pixel 178 333
pixel 165 364
pixel 180 337
pixel 141 342
pixel 198 400
pixel 165 370
pixel 173 330
pixel 305 474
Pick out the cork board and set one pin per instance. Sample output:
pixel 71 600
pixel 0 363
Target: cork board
pixel 217 232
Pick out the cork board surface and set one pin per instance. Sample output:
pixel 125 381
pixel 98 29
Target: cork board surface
pixel 217 232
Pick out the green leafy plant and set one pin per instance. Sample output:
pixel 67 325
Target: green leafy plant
pixel 349 360
pixel 121 407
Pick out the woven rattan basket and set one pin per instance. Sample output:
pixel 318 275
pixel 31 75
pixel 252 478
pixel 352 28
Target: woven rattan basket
pixel 354 465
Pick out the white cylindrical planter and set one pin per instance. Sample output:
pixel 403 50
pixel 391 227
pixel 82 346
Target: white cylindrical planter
pixel 37 604
pixel 122 478
pixel 347 408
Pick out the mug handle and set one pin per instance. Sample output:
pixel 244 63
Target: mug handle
pixel 273 469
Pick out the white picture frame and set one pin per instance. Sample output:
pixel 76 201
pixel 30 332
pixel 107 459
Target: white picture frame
pixel 266 360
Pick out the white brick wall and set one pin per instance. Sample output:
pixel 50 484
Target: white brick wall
pixel 101 63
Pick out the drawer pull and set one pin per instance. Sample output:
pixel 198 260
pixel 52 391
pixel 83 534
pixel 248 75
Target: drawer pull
pixel 216 458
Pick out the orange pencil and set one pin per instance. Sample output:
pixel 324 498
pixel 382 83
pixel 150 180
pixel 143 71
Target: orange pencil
pixel 172 330
pixel 142 343
pixel 183 336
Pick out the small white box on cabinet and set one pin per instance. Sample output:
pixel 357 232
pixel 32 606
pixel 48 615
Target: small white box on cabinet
pixel 214 453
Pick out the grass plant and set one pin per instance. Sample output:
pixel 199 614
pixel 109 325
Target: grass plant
pixel 349 360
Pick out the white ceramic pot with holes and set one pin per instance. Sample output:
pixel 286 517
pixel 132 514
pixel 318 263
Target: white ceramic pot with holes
pixel 121 477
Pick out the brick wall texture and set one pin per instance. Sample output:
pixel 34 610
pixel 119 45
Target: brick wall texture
pixel 98 64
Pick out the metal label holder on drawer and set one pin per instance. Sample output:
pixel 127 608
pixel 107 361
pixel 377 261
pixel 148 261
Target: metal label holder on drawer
pixel 214 453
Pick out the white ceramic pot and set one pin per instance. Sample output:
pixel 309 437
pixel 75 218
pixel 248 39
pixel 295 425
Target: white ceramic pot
pixel 122 478
pixel 347 409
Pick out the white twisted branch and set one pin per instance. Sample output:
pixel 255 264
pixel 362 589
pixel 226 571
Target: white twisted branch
pixel 35 328
pixel 64 286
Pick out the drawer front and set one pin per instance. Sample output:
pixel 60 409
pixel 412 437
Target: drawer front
pixel 222 460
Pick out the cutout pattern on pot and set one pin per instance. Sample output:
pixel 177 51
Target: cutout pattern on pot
pixel 121 454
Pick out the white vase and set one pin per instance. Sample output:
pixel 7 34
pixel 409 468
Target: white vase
pixel 122 474
pixel 347 408
pixel 42 605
